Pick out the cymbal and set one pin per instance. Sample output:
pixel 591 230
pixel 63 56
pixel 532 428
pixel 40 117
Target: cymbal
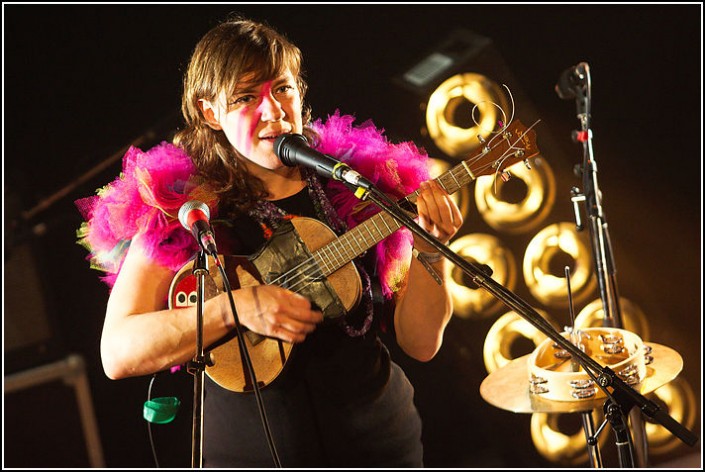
pixel 508 387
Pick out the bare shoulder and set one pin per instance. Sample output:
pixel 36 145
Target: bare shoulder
pixel 142 284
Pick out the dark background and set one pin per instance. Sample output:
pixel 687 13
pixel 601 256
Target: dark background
pixel 83 82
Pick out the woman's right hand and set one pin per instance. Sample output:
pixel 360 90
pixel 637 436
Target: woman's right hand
pixel 276 312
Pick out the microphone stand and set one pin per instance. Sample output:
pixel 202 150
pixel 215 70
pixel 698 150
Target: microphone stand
pixel 197 366
pixel 621 397
pixel 576 82
pixel 602 249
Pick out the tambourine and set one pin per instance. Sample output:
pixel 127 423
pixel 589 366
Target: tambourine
pixel 554 374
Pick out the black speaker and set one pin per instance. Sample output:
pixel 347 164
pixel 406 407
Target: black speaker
pixel 463 52
pixel 31 336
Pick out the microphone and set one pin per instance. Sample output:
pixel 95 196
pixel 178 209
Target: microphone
pixel 570 81
pixel 194 216
pixel 293 149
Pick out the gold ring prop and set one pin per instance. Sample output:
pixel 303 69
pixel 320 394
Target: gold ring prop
pixel 633 319
pixel 545 256
pixel 680 403
pixel 481 249
pixel 510 327
pixel 557 445
pixel 520 203
pixel 462 110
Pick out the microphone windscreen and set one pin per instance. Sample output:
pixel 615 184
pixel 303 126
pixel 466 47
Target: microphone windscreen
pixel 285 147
pixel 188 207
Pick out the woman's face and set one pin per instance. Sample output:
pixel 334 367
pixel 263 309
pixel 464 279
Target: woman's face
pixel 254 115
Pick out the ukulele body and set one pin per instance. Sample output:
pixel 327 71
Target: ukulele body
pixel 285 260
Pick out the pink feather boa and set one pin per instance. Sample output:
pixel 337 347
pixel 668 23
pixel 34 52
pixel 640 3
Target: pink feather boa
pixel 396 169
pixel 154 184
pixel 145 197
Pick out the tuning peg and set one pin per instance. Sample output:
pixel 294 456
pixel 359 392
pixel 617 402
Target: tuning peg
pixel 527 164
pixel 505 176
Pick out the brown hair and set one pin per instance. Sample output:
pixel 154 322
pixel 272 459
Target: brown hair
pixel 235 47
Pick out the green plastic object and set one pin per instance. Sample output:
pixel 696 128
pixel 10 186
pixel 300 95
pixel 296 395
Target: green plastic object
pixel 161 410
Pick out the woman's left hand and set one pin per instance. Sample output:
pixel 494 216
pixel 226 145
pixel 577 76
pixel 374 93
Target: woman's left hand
pixel 438 215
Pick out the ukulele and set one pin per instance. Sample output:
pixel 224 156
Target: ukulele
pixel 306 256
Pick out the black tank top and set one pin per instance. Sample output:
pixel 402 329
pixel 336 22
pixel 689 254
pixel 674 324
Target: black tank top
pixel 326 396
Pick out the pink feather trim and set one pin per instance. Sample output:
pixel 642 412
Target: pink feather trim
pixel 396 169
pixel 153 185
pixel 145 198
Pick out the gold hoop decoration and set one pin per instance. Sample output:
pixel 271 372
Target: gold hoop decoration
pixel 633 319
pixel 679 399
pixel 521 203
pixel 479 249
pixel 543 258
pixel 449 113
pixel 462 196
pixel 497 350
pixel 558 446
